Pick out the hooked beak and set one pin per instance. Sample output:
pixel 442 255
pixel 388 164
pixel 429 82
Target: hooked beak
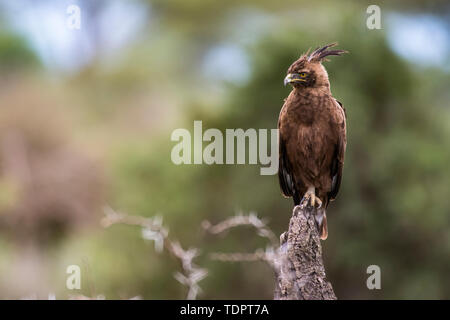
pixel 293 77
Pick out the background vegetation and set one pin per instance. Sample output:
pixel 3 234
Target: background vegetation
pixel 89 125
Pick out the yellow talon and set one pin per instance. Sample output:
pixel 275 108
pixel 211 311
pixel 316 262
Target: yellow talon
pixel 310 197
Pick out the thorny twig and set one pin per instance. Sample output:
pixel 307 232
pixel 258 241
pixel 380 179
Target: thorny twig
pixel 152 229
pixel 268 255
pixel 52 296
pixel 98 297
pixel 242 220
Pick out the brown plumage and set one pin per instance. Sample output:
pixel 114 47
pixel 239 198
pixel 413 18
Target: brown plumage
pixel 312 136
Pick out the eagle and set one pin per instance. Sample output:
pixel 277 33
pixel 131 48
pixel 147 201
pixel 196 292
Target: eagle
pixel 312 136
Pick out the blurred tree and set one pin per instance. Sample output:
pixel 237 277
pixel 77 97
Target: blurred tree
pixel 393 207
pixel 15 53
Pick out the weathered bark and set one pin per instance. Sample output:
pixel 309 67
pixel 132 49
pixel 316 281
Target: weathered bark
pixel 301 274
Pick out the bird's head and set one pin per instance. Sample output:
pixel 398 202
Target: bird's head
pixel 308 71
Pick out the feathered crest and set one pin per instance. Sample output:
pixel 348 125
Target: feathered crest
pixel 320 53
pixel 317 55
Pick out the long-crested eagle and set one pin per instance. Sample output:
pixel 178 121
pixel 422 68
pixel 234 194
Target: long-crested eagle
pixel 312 136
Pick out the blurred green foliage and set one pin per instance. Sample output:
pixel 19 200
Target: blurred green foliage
pixel 393 207
pixel 15 53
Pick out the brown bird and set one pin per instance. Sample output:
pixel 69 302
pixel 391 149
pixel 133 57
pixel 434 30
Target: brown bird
pixel 312 136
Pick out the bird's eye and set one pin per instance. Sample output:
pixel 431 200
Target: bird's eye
pixel 303 74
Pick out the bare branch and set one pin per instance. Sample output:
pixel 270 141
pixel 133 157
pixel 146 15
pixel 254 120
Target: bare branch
pixel 152 229
pixel 268 256
pixel 242 220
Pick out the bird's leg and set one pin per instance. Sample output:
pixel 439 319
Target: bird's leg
pixel 310 196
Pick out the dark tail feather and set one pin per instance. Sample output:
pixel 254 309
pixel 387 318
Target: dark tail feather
pixel 321 221
pixel 296 199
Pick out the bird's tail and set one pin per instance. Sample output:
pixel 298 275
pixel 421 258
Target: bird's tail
pixel 321 221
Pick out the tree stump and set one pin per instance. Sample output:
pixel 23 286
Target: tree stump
pixel 301 274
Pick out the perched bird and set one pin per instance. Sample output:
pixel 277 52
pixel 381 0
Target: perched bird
pixel 312 136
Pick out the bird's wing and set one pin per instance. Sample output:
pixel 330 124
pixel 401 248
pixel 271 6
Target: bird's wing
pixel 338 162
pixel 284 169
